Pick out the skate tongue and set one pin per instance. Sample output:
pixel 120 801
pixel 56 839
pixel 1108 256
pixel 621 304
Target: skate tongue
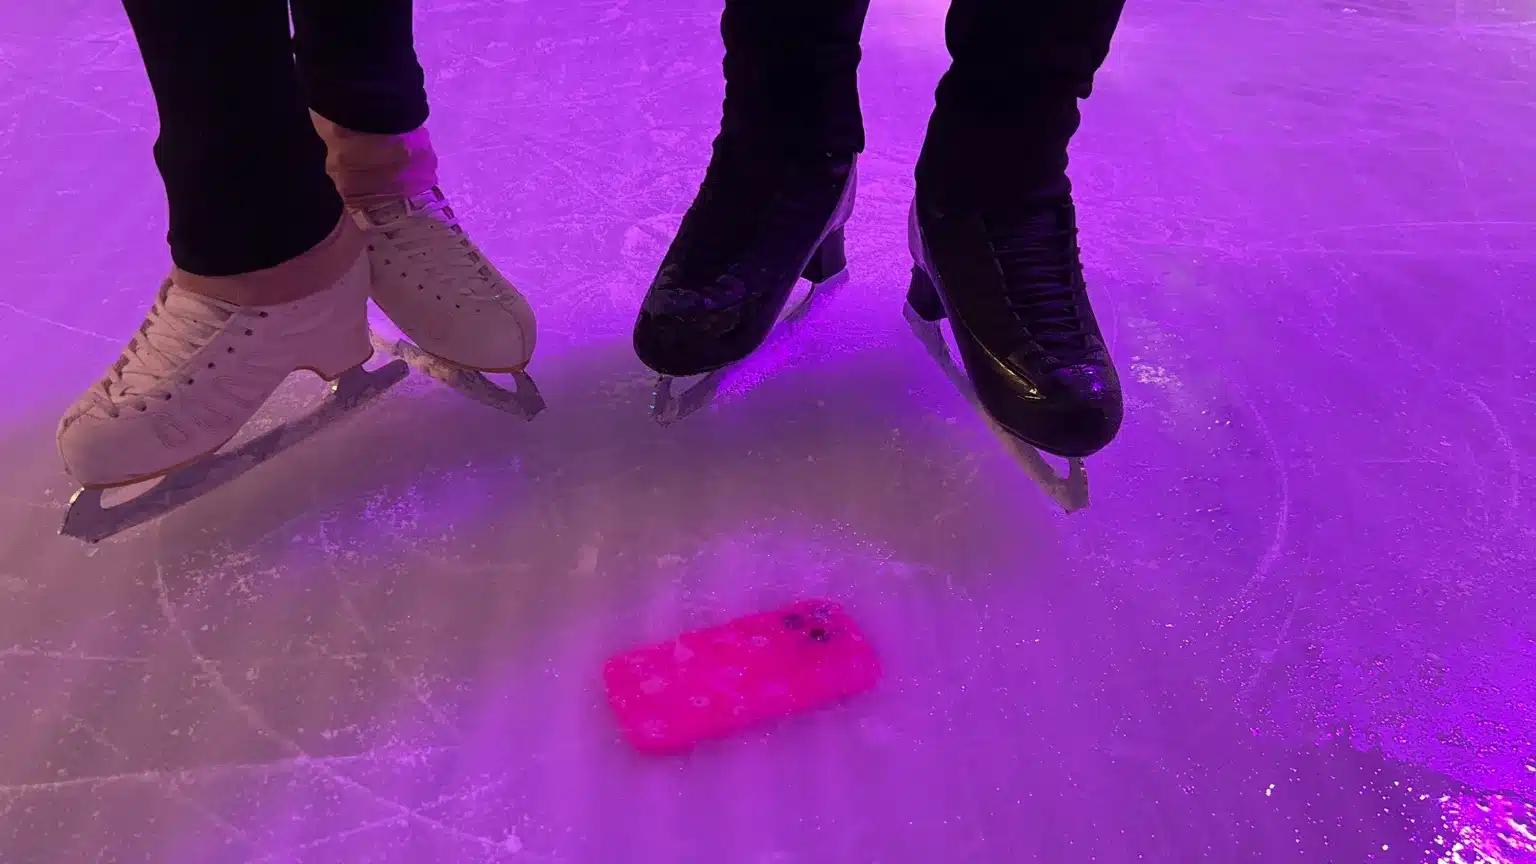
pixel 386 212
pixel 184 306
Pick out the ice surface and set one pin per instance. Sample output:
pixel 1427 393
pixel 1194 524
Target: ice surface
pixel 1311 227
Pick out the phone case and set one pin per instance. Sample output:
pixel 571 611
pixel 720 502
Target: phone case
pixel 710 683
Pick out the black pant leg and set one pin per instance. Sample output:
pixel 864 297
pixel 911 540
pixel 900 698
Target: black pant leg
pixel 357 59
pixel 243 168
pixel 791 73
pixel 1008 106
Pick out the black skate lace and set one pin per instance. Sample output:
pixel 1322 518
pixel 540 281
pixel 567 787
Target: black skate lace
pixel 1043 285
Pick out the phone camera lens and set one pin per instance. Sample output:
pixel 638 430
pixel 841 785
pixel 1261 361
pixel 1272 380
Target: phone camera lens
pixel 820 634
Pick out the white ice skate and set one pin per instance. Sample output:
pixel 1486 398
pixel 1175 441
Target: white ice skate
pixel 197 370
pixel 459 316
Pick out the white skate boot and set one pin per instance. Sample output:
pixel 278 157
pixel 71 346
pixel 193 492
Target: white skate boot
pixel 461 316
pixel 197 370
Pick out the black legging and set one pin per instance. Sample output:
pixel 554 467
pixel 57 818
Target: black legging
pixel 244 169
pixel 1004 113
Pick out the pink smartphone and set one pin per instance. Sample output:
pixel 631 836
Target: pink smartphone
pixel 710 683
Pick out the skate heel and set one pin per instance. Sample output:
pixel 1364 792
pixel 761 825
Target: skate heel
pixel 337 358
pixel 340 340
pixel 829 260
pixel 339 362
pixel 923 297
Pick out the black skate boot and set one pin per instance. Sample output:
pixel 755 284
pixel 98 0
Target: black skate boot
pixel 761 220
pixel 1010 282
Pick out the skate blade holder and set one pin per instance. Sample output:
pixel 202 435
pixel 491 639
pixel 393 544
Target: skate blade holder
pixel 96 514
pixel 670 403
pixel 1070 490
pixel 523 399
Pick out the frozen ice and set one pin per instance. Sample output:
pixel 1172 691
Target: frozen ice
pixel 1297 624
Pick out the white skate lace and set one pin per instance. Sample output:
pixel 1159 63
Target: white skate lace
pixel 177 326
pixel 426 232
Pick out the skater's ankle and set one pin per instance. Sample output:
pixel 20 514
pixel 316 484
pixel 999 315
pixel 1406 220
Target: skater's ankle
pixel 1005 195
pixel 780 150
pixel 301 276
pixel 367 167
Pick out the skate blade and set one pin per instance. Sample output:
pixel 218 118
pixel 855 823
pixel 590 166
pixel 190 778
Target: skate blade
pixel 523 400
pixel 674 399
pixel 1069 491
pixel 91 519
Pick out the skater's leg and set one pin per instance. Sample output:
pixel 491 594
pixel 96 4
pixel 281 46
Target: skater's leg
pixel 994 231
pixel 358 62
pixel 791 74
pixel 779 187
pixel 1007 108
pixel 269 277
pixel 243 169
pixel 357 59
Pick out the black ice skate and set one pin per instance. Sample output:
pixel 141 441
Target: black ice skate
pixel 1011 285
pixel 759 223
